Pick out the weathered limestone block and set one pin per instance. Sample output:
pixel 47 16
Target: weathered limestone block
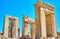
pixel 43 23
pixel 32 30
pixel 6 27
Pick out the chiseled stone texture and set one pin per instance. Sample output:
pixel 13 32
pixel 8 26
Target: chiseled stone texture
pixel 42 27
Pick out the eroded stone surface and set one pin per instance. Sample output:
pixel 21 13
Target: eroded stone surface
pixel 42 27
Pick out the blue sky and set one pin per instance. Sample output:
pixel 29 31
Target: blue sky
pixel 19 7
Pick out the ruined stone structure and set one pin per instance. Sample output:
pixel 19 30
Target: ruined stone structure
pixel 25 23
pixel 42 27
pixel 44 20
pixel 10 29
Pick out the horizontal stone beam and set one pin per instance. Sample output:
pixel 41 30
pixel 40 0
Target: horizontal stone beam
pixel 11 17
pixel 29 20
pixel 48 11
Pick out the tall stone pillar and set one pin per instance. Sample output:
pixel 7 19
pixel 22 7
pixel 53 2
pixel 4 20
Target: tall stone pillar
pixel 53 25
pixel 32 31
pixel 16 25
pixel 43 23
pixel 37 20
pixel 11 28
pixel 15 28
pixel 6 26
pixel 24 26
pixel 25 29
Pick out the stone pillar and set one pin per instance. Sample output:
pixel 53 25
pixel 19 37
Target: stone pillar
pixel 32 31
pixel 53 26
pixel 24 26
pixel 15 28
pixel 43 23
pixel 37 22
pixel 11 28
pixel 6 26
pixel 16 25
pixel 25 29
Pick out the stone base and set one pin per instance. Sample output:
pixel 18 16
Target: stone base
pixel 50 38
pixel 9 38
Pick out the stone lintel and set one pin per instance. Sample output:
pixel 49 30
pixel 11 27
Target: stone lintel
pixel 47 6
pixel 48 11
pixel 44 5
pixel 29 20
pixel 11 17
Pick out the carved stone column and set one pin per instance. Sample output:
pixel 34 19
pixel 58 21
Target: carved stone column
pixel 37 23
pixel 43 23
pixel 40 21
pixel 6 26
pixel 15 28
pixel 11 28
pixel 24 26
pixel 32 31
pixel 54 26
pixel 25 29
